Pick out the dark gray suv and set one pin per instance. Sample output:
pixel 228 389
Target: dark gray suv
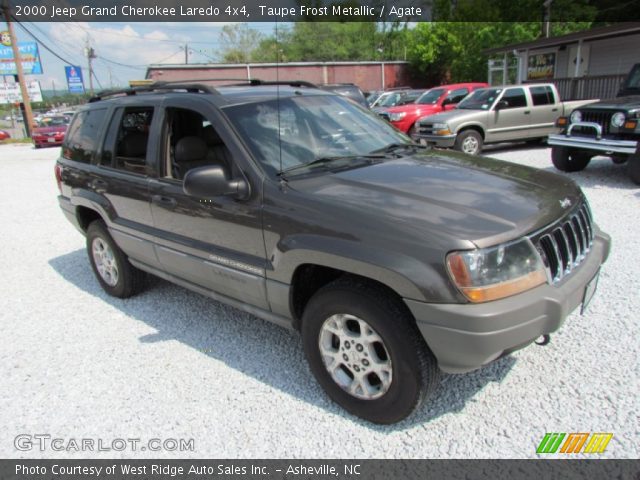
pixel 395 261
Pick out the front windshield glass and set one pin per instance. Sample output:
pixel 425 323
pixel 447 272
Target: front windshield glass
pixel 480 99
pixel 311 128
pixel 430 96
pixel 634 78
pixel 389 100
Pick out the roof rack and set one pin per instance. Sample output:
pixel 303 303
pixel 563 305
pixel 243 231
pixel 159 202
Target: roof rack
pixel 193 87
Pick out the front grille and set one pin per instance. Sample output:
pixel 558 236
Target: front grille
pixel 566 245
pixel 602 118
pixel 425 128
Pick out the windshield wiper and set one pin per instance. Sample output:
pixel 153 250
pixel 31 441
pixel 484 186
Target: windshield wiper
pixel 392 147
pixel 327 160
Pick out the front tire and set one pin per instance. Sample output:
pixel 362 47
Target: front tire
pixel 365 351
pixel 634 168
pixel 469 142
pixel 569 159
pixel 115 274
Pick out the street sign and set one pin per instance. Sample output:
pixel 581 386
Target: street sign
pixel 10 92
pixel 74 79
pixel 28 54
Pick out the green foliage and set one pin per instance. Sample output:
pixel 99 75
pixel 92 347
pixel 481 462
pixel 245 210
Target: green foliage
pixel 239 42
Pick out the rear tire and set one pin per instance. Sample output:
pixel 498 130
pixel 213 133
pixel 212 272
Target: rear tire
pixel 365 350
pixel 634 168
pixel 115 274
pixel 569 159
pixel 469 142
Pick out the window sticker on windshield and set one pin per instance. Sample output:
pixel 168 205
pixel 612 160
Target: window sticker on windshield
pixel 485 106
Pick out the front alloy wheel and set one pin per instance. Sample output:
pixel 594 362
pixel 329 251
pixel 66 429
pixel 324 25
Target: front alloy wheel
pixel 355 356
pixel 364 348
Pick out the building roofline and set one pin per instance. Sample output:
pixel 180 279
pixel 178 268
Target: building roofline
pixel 619 29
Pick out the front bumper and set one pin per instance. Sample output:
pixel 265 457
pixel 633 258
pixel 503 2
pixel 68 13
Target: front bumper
pixel 443 141
pixel 464 337
pixel 597 144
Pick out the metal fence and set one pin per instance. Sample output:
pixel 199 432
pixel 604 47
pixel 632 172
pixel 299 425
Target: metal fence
pixel 584 88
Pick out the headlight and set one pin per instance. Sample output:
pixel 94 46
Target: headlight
pixel 618 119
pixel 492 273
pixel 576 116
pixel 394 117
pixel 441 129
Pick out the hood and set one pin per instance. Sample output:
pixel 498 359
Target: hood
pixel 46 130
pixel 450 195
pixel 416 108
pixel 459 115
pixel 623 103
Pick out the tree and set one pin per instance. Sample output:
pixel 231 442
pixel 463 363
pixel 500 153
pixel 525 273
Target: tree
pixel 239 43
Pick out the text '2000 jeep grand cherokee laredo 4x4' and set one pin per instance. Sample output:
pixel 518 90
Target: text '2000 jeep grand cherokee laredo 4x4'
pixel 299 206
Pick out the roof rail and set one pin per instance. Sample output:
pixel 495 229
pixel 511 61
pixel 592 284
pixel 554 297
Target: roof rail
pixel 190 87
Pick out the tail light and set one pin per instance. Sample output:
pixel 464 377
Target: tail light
pixel 58 172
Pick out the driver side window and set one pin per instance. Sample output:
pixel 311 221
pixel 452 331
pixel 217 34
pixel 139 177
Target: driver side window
pixel 191 141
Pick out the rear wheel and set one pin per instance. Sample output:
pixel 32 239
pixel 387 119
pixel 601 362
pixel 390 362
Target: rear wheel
pixel 569 159
pixel 469 142
pixel 366 352
pixel 116 275
pixel 634 168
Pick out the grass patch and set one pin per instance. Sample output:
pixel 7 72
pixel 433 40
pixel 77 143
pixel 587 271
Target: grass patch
pixel 16 140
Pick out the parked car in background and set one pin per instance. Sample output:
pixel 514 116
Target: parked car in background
pixel 497 114
pixel 433 101
pixel 50 131
pixel 403 97
pixel 348 90
pixel 609 127
pixel 384 94
pixel 4 135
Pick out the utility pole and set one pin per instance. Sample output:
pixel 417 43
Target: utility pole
pixel 53 84
pixel 110 79
pixel 186 54
pixel 25 106
pixel 91 54
pixel 546 17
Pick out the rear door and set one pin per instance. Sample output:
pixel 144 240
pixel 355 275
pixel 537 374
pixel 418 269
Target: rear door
pixel 512 121
pixel 216 243
pixel 545 109
pixel 125 164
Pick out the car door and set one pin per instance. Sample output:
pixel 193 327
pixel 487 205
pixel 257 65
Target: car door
pixel 215 243
pixel 509 121
pixel 545 109
pixel 124 164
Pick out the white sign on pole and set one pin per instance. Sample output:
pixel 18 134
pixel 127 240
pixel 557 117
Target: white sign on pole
pixel 10 92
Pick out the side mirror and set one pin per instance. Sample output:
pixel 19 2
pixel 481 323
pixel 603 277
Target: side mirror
pixel 502 104
pixel 211 181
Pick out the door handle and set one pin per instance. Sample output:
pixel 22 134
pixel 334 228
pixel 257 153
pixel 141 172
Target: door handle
pixel 554 109
pixel 162 201
pixel 527 112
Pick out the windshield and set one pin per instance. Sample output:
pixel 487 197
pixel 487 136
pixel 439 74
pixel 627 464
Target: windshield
pixel 634 78
pixel 53 121
pixel 480 99
pixel 311 128
pixel 389 100
pixel 430 96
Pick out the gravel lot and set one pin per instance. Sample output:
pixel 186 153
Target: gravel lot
pixel 169 363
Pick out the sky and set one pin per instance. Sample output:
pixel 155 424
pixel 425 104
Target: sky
pixel 123 49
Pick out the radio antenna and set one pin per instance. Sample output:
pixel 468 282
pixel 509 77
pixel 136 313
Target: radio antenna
pixel 278 95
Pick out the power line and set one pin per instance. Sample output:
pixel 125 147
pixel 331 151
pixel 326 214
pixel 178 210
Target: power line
pixel 42 43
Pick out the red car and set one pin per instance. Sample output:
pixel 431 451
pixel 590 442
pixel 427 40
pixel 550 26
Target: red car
pixel 4 135
pixel 435 100
pixel 50 131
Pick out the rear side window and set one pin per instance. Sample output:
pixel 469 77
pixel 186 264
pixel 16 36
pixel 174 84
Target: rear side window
pixel 515 97
pixel 456 96
pixel 542 95
pixel 132 139
pixel 82 138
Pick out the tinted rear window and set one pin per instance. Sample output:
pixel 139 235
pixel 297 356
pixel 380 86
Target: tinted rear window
pixel 81 139
pixel 542 95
